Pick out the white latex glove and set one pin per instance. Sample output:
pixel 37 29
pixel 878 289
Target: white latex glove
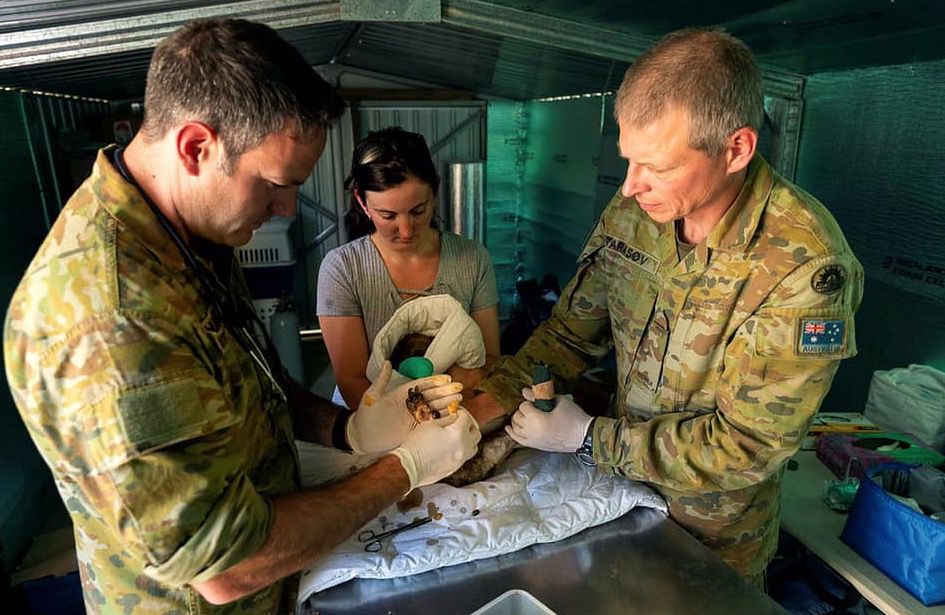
pixel 437 448
pixel 382 420
pixel 560 431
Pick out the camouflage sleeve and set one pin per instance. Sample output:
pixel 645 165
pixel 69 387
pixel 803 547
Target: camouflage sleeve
pixel 157 459
pixel 577 333
pixel 776 371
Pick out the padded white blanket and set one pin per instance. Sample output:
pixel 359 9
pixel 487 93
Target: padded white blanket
pixel 538 497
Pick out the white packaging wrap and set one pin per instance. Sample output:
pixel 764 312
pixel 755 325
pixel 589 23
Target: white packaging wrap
pixel 910 400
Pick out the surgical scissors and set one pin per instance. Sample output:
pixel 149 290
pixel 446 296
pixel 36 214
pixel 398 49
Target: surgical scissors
pixel 374 540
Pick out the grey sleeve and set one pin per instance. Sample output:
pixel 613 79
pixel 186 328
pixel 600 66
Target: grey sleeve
pixel 336 295
pixel 485 292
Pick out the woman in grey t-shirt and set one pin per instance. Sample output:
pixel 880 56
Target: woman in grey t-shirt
pixel 396 254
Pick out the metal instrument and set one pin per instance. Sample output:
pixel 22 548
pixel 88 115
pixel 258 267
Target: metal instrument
pixel 374 540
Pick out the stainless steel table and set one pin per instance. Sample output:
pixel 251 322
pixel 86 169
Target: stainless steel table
pixel 640 563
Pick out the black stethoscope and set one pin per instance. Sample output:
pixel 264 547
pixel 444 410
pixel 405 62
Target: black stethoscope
pixel 232 313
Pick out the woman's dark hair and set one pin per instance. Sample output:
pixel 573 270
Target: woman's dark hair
pixel 381 161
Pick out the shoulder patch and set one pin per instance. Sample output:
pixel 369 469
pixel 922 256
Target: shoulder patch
pixel 828 279
pixel 820 336
pixel 638 257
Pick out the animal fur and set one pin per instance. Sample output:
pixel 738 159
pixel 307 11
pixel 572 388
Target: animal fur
pixel 494 447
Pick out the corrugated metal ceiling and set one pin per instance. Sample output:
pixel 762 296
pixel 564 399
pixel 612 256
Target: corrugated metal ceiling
pixel 18 15
pixel 516 49
pixel 801 36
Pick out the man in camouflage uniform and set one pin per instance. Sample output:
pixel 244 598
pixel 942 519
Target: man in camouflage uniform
pixel 136 362
pixel 727 293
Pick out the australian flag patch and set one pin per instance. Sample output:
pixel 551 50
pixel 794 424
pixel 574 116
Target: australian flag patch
pixel 821 336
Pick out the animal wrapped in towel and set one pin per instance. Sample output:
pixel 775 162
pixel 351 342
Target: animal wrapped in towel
pixel 437 328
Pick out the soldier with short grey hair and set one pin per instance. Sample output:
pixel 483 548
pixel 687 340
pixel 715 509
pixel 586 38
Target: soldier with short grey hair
pixel 145 378
pixel 726 292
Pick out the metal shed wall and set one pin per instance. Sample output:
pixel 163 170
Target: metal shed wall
pixel 873 150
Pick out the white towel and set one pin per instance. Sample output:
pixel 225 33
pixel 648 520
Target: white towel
pixel 457 339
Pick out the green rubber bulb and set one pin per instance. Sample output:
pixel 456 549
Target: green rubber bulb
pixel 416 367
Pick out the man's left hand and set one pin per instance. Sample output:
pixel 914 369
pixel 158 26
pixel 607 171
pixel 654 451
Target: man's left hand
pixel 382 420
pixel 561 430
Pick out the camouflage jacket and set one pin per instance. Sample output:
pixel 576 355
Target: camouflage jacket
pixel 164 442
pixel 722 357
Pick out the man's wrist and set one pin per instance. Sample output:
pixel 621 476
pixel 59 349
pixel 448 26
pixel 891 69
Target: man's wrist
pixel 407 463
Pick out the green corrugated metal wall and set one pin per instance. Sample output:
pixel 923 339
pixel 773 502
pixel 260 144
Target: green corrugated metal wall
pixel 560 183
pixel 542 183
pixel 505 171
pixel 873 150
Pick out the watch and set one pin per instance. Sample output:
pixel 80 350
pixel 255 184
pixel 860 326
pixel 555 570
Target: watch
pixel 339 429
pixel 585 452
